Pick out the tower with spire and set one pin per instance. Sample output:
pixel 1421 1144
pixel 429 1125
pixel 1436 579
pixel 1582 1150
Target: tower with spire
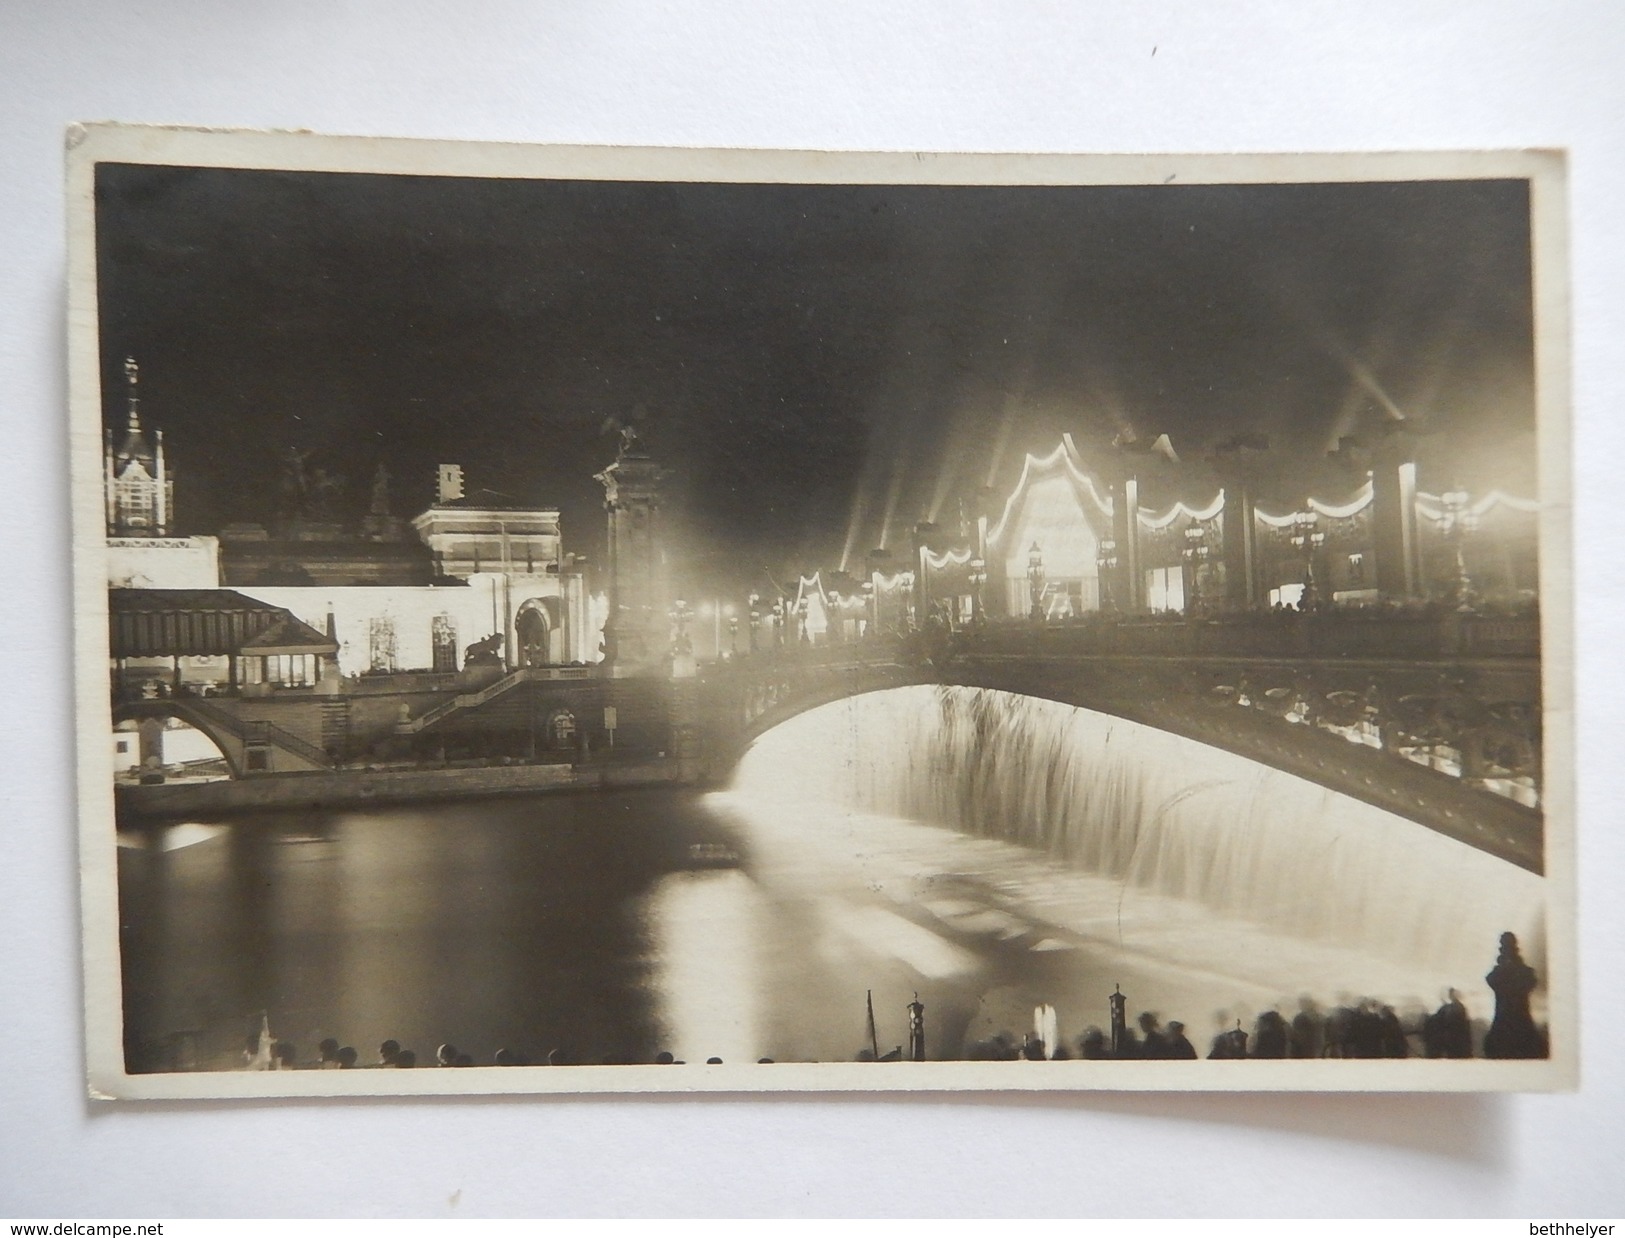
pixel 140 493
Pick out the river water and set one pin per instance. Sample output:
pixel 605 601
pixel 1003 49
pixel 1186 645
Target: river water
pixel 992 854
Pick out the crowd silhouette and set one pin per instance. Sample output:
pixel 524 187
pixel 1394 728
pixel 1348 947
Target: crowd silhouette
pixel 1362 1028
pixel 1353 1028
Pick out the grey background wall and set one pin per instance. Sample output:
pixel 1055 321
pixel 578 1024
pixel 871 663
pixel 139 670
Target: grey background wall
pixel 1019 75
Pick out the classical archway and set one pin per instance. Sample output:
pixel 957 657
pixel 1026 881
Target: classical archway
pixel 533 632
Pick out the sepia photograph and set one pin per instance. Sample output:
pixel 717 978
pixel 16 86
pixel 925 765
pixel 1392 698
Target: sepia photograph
pixel 570 619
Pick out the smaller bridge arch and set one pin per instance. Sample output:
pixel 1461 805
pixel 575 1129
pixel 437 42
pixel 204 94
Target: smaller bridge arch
pixel 231 745
pixel 250 745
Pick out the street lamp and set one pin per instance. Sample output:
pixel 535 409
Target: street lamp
pixel 978 578
pixel 1456 520
pixel 1035 582
pixel 1308 538
pixel 1106 565
pixel 1195 553
pixel 871 608
pixel 755 618
pixel 778 622
pixel 681 645
pixel 801 619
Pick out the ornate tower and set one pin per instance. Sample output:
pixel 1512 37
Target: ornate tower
pixel 139 492
pixel 636 633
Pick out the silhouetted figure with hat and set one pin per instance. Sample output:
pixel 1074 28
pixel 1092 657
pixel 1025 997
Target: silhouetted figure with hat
pixel 1308 1034
pixel 1270 1035
pixel 1512 1033
pixel 1092 1045
pixel 1230 1044
pixel 1154 1046
pixel 1338 1030
pixel 1393 1040
pixel 1365 1031
pixel 1447 1032
pixel 1180 1048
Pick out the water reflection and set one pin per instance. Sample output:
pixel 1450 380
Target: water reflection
pixel 703 927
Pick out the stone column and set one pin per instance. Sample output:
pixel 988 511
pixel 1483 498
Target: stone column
pixel 636 631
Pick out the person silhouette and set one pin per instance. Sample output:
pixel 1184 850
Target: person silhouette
pixel 1179 1045
pixel 1270 1035
pixel 1154 1046
pixel 1448 1032
pixel 1395 1043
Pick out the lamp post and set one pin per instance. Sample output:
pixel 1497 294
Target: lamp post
pixel 1195 553
pixel 871 608
pixel 1106 567
pixel 1456 520
pixel 978 578
pixel 778 622
pixel 1035 582
pixel 836 632
pixel 1308 538
pixel 682 648
pixel 755 600
pixel 801 619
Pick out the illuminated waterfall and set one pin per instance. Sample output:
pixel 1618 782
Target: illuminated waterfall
pixel 1156 811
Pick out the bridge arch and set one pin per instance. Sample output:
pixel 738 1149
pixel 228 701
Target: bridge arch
pixel 1184 700
pixel 230 745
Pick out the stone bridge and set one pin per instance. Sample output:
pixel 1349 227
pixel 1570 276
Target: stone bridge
pixel 1434 717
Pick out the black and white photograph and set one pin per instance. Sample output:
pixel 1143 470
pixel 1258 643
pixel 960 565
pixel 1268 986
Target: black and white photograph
pixel 591 620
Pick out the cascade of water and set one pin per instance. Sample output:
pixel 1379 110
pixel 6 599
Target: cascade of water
pixel 1155 810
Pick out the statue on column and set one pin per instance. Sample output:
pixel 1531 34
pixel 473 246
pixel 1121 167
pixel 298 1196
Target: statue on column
pixel 916 1030
pixel 1512 1033
pixel 636 638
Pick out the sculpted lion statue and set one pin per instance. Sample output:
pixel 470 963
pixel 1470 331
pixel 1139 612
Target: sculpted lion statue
pixel 484 652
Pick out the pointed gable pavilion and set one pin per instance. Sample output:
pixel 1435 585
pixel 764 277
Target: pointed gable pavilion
pixel 1056 519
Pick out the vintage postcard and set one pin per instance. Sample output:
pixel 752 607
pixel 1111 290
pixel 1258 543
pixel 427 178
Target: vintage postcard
pixel 564 619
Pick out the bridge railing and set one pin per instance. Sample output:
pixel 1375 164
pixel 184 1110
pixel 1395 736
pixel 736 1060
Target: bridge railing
pixel 1403 637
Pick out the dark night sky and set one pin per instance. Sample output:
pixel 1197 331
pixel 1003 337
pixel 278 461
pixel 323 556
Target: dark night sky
pixel 799 353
